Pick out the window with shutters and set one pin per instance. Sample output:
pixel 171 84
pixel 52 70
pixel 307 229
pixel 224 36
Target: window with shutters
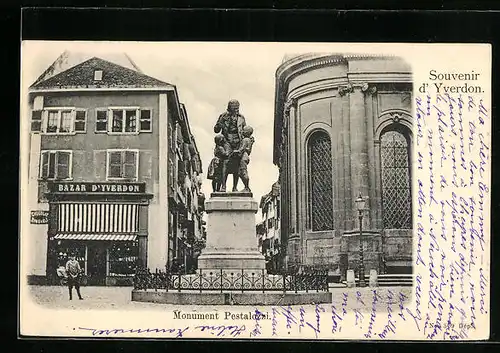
pixel 123 120
pixel 122 164
pixel 396 180
pixel 56 165
pixel 320 171
pixel 59 120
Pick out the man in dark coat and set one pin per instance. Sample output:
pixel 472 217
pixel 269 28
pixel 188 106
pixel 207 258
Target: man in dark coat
pixel 231 124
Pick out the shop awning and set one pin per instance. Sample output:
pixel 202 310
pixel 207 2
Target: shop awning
pixel 97 218
pixel 90 236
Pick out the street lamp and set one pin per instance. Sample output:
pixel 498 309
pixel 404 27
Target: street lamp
pixel 360 205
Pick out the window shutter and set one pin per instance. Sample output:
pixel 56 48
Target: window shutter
pixel 101 124
pixel 80 121
pixel 38 103
pixel 181 173
pixel 45 118
pixel 110 120
pixel 146 164
pixel 137 120
pixel 51 165
pixel 44 170
pixel 146 121
pixel 130 165
pixel 100 165
pixel 63 160
pixel 115 162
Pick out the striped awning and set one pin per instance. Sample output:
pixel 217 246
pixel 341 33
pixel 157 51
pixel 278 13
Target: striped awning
pixel 97 218
pixel 90 236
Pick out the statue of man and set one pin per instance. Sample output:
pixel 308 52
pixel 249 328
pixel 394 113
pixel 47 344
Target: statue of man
pixel 231 124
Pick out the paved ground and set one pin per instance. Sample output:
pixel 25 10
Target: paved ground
pixel 119 297
pixel 94 298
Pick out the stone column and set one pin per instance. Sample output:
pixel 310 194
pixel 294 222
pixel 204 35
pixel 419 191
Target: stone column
pixel 302 192
pixel 370 117
pixel 345 162
pixel 292 166
pixel 359 149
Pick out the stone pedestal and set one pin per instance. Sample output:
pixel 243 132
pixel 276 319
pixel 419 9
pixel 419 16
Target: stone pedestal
pixel 231 235
pixel 351 281
pixel 231 270
pixel 373 278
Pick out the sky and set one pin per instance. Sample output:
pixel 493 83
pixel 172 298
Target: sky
pixel 208 74
pixel 206 79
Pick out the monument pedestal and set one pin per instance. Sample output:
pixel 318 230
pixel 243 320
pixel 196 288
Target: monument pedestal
pixel 231 270
pixel 231 236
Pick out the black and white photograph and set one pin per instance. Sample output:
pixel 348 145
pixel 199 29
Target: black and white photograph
pixel 253 190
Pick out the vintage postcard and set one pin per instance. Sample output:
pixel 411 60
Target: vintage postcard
pixel 255 190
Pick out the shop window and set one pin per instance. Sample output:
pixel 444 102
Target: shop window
pixel 56 165
pixel 123 258
pixel 65 249
pixel 320 182
pixel 396 180
pixel 123 164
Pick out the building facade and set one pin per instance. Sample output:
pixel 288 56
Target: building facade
pixel 100 165
pixel 269 232
pixel 343 128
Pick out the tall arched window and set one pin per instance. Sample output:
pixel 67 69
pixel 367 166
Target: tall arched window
pixel 396 180
pixel 320 181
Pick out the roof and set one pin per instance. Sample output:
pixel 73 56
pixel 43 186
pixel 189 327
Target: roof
pixel 82 76
pixel 69 59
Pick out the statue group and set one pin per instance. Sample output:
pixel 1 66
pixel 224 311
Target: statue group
pixel 233 145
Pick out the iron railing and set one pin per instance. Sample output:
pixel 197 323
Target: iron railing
pixel 224 280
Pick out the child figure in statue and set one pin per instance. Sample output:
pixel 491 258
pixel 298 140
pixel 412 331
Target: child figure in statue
pixel 244 151
pixel 217 163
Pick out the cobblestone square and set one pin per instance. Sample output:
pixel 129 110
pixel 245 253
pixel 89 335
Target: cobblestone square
pixel 119 298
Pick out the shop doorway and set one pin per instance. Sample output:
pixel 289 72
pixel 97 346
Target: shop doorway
pixel 96 264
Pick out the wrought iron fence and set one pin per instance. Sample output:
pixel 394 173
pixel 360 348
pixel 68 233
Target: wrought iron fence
pixel 223 280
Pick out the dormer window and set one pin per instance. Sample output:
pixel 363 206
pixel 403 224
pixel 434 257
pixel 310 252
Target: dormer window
pixel 98 75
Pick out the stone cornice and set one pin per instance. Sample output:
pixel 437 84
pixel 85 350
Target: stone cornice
pixel 291 102
pixel 306 62
pixel 309 60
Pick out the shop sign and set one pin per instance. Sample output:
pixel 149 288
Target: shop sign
pixel 103 188
pixel 39 217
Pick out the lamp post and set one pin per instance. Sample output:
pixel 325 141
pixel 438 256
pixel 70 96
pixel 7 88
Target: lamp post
pixel 360 205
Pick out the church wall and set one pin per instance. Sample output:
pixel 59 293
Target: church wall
pixel 352 118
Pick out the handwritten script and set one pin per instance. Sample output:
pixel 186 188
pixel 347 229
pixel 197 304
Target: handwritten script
pixel 449 296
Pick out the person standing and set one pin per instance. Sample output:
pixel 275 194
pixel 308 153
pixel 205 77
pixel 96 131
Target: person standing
pixel 73 272
pixel 230 124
